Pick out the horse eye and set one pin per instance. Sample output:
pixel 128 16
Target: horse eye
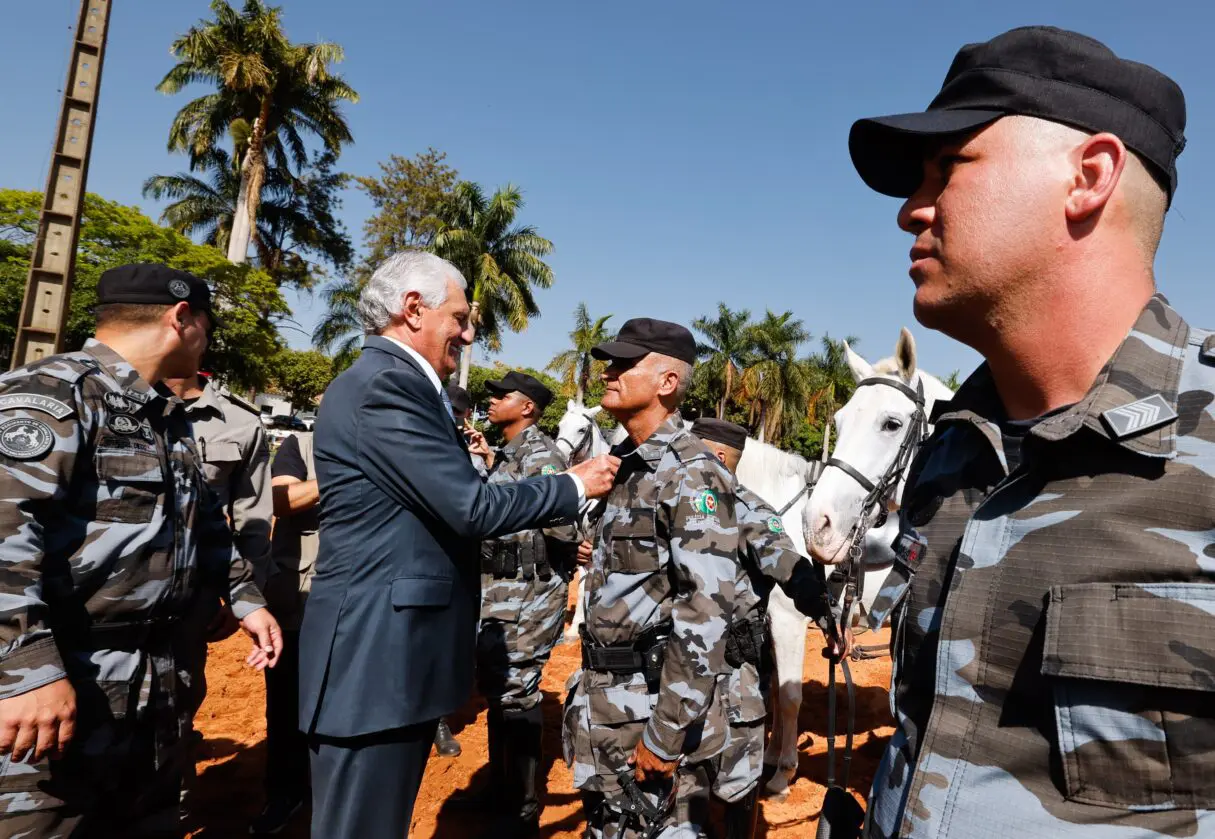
pixel 892 424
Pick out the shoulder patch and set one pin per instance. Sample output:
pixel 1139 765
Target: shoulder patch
pixel 117 402
pixel 25 439
pixel 548 469
pixel 775 524
pixel 35 402
pixel 1138 417
pixel 705 502
pixel 123 424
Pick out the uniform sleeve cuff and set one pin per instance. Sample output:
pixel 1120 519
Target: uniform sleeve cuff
pixel 30 667
pixel 246 600
pixel 667 744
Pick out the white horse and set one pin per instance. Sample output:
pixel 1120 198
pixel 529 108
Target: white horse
pixel 580 438
pixel 870 429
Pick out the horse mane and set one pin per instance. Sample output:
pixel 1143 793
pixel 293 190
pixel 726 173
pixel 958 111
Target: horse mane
pixel 766 459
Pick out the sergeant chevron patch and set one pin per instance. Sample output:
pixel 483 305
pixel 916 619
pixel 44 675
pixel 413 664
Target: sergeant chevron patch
pixel 1138 417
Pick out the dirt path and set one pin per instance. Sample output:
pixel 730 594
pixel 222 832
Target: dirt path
pixel 232 720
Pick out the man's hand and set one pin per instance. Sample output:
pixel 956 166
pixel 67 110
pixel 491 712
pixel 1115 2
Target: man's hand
pixel 478 445
pixel 585 550
pixel 223 625
pixel 646 764
pixel 43 719
pixel 597 474
pixel 267 639
pixel 837 648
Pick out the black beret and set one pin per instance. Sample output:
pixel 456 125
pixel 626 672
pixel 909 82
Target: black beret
pixel 641 336
pixel 727 433
pixel 529 386
pixel 1036 71
pixel 154 283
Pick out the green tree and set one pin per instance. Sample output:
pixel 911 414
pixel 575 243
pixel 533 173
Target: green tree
pixel 303 375
pixel 776 382
pixel 111 235
pixel 833 386
pixel 576 366
pixel 953 381
pixel 500 260
pixel 407 196
pixel 725 352
pixel 268 92
pixel 298 231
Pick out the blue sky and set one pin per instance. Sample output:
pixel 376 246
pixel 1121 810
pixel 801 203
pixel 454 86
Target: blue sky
pixel 676 153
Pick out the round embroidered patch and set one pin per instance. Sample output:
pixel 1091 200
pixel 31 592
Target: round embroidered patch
pixel 179 289
pixel 122 424
pixel 118 402
pixel 775 525
pixel 548 469
pixel 706 503
pixel 25 439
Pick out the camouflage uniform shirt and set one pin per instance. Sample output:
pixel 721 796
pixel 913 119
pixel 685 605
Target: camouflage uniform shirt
pixel 522 615
pixel 667 551
pixel 1054 657
pixel 107 529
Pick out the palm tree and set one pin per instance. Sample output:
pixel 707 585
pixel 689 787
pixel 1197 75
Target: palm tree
pixel 776 382
pixel 339 332
pixel 500 261
pixel 269 90
pixel 833 385
pixel 296 216
pixel 726 349
pixel 576 366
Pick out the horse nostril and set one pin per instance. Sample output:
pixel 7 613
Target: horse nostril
pixel 824 524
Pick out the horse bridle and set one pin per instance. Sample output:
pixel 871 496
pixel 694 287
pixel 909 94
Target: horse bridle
pixel 583 441
pixel 878 492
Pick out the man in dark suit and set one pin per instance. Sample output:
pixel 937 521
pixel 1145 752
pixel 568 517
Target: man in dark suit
pixel 388 639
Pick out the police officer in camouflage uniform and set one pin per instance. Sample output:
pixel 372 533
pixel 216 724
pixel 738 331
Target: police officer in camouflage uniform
pixel 524 592
pixel 767 557
pixel 1054 655
pixel 108 531
pixel 659 593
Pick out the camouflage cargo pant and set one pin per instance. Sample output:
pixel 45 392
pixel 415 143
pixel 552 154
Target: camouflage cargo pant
pixel 105 786
pixel 687 818
pixel 521 622
pixel 737 769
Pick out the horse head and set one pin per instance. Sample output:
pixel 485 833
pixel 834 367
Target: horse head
pixel 578 435
pixel 874 430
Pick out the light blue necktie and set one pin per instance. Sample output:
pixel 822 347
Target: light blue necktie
pixel 447 403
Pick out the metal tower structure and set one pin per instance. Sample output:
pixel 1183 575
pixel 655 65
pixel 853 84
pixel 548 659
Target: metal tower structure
pixel 48 289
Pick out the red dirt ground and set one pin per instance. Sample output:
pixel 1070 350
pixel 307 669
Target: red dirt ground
pixel 228 790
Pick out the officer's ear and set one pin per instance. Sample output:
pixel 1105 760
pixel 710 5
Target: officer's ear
pixel 179 316
pixel 530 410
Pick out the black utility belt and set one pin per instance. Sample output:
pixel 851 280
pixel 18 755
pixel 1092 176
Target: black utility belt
pixel 505 560
pixel 645 655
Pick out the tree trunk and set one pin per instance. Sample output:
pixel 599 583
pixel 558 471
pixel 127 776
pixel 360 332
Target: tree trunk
pixel 584 376
pixel 827 436
pixel 466 357
pixel 252 178
pixel 763 421
pixel 721 406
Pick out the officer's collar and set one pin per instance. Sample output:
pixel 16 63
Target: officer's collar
pixel 128 378
pixel 527 435
pixel 208 401
pixel 1132 403
pixel 652 450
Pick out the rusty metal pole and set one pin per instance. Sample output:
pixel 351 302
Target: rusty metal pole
pixel 44 309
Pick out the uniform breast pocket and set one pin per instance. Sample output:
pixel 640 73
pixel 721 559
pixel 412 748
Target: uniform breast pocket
pixel 220 460
pixel 130 484
pixel 634 544
pixel 1132 671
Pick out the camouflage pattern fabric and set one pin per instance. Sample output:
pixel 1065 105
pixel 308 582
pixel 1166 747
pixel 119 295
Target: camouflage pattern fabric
pixel 1054 657
pixel 667 551
pixel 767 557
pixel 687 818
pixel 108 529
pixel 521 619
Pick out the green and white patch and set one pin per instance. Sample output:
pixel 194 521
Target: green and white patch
pixel 705 503
pixel 548 469
pixel 775 524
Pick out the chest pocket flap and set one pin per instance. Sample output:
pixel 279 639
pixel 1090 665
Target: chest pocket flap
pixel 634 538
pixel 221 452
pixel 1132 671
pixel 129 484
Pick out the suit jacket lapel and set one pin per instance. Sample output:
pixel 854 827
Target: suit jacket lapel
pixel 384 345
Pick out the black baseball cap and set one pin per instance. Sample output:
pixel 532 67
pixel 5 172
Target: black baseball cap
pixel 529 386
pixel 727 433
pixel 153 283
pixel 459 398
pixel 1036 71
pixel 641 336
